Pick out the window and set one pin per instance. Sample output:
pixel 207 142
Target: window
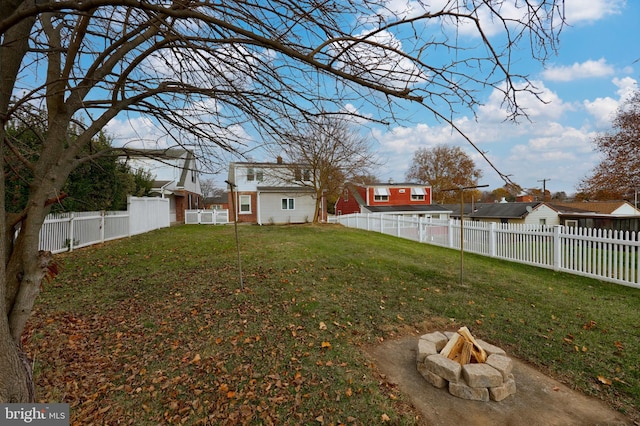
pixel 288 204
pixel 245 204
pixel 302 175
pixel 571 222
pixel 380 194
pixel 259 175
pixel 543 221
pixel 417 194
pixel 346 194
pixel 250 175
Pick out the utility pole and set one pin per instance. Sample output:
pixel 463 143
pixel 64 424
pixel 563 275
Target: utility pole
pixel 544 189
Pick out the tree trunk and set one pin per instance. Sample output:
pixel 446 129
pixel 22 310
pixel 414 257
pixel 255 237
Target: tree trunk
pixel 16 380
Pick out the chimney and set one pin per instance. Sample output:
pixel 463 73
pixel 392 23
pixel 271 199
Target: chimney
pixel 279 159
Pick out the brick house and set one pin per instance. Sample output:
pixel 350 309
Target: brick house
pixel 395 198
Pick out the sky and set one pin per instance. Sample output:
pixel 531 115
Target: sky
pixel 596 67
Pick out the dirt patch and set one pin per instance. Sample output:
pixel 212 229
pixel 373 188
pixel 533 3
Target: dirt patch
pixel 539 400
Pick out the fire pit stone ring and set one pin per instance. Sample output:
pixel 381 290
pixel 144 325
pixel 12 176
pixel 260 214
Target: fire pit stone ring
pixel 444 360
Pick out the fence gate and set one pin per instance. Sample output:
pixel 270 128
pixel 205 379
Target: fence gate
pixel 206 217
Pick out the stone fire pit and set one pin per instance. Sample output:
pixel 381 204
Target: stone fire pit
pixel 473 379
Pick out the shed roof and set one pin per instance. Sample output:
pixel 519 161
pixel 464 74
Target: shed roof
pixel 600 207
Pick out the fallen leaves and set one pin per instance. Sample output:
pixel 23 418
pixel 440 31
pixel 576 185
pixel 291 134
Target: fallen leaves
pixel 604 380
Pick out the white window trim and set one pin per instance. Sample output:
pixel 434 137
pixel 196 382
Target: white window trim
pixel 418 194
pixel 290 201
pixel 240 204
pixel 381 194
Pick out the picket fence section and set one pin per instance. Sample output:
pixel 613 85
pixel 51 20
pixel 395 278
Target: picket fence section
pixel 206 217
pixel 603 254
pixel 67 231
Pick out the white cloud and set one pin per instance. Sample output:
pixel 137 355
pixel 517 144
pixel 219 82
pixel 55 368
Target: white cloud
pixel 403 9
pixel 377 58
pixel 547 104
pixel 577 11
pixel 587 69
pixel 604 109
pixel 136 132
pixel 543 148
pixel 627 86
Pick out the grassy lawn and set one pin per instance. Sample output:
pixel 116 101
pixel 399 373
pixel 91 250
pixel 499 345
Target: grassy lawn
pixel 155 328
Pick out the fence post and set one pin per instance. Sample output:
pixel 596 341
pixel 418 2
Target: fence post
pixel 557 248
pixel 493 238
pixel 102 222
pixel 71 232
pixel 450 234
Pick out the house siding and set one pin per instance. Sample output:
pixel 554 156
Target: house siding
pixel 543 213
pixel 348 203
pixel 356 199
pixel 398 196
pixel 268 184
pixel 505 213
pixel 271 211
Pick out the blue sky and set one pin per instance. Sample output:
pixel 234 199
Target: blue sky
pixel 596 67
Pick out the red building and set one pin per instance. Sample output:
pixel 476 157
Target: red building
pixel 396 198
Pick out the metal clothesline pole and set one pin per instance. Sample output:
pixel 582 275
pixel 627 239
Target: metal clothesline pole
pixel 235 225
pixel 461 189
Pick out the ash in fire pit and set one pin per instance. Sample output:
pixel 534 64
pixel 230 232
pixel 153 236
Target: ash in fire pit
pixel 470 368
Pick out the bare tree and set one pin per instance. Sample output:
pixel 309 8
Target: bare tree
pixel 445 167
pixel 333 150
pixel 208 187
pixel 201 69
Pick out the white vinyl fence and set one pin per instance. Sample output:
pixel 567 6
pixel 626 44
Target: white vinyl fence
pixel 206 217
pixel 67 231
pixel 598 253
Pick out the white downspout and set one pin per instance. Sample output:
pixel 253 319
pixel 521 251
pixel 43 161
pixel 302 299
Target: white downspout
pixel 258 212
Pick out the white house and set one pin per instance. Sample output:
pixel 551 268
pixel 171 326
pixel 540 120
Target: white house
pixel 272 193
pixel 175 176
pixel 616 215
pixel 534 213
